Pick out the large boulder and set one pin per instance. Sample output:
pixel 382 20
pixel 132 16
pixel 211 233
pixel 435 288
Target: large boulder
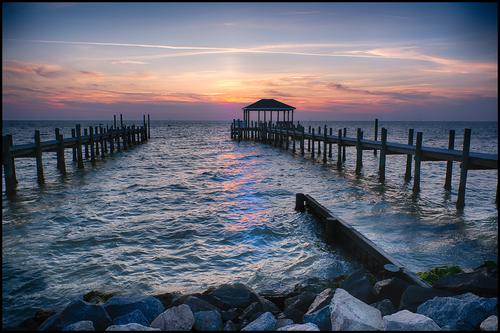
pixel 118 306
pixel 489 324
pixel 297 306
pixel 196 304
pixel 405 320
pixel 349 313
pixel 463 312
pixel 131 327
pixel 359 284
pixel 323 298
pixel 385 307
pixel 32 324
pixel 235 295
pixel 320 318
pixel 135 316
pixel 176 318
pixel 84 325
pixel 299 327
pixel 482 281
pixel 78 311
pixel 283 322
pixel 251 312
pixel 266 322
pixel 391 289
pixel 413 296
pixel 207 321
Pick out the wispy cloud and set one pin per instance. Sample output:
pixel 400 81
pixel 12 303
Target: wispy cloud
pixel 128 62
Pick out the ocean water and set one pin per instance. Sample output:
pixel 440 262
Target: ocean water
pixel 192 209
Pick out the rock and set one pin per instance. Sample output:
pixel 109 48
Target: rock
pixel 299 327
pixel 79 310
pixel 349 313
pixel 283 322
pixel 413 296
pixel 177 318
pixel 265 322
pixel 251 312
pixel 482 281
pixel 196 304
pixel 463 312
pixel 53 323
pixel 405 320
pixel 324 298
pixel 268 306
pixel 358 284
pixel 230 314
pixel 167 299
pixel 135 316
pixel 131 327
pixel 489 324
pixel 207 321
pixel 235 295
pixel 150 306
pixel 321 318
pixel 390 288
pixel 230 326
pixel 84 325
pixel 97 297
pixel 298 305
pixel 32 324
pixel 385 307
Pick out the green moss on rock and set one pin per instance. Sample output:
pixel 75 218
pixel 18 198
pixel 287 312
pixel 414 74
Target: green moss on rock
pixel 438 272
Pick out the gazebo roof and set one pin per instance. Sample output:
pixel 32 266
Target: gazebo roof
pixel 268 104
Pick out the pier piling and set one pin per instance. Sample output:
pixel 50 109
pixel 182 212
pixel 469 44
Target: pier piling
pixel 463 169
pixel 38 156
pixel 449 164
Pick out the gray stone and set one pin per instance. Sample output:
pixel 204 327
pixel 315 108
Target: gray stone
pixel 131 327
pixel 150 306
pixel 207 321
pixel 235 295
pixel 268 306
pixel 135 316
pixel 349 313
pixel 230 314
pixel 385 306
pixel 358 284
pixel 413 296
pixel 391 289
pixel 299 305
pixel 196 304
pixel 482 281
pixel 463 312
pixel 53 323
pixel 251 312
pixel 324 298
pixel 405 320
pixel 320 318
pixel 84 325
pixel 299 327
pixel 230 326
pixel 80 310
pixel 266 322
pixel 283 322
pixel 176 318
pixel 489 324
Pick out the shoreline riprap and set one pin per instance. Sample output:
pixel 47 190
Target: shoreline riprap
pixel 458 301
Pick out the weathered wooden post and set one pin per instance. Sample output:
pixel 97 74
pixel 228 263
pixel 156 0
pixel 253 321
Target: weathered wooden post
pixel 339 150
pixel 145 136
pixel 91 140
pixel 105 139
pixel 121 120
pixel 309 140
pixel 10 139
pixel 111 141
pixel 312 145
pixel 133 135
pixel 359 151
pixel 114 121
pixel 324 145
pixel 376 135
pixel 343 147
pixel 449 164
pixel 129 136
pixel 463 169
pixel 86 146
pixel 38 155
pixel 10 182
pixel 79 146
pixel 409 156
pixel 117 138
pixel 73 148
pixel 319 141
pixel 330 145
pixel 302 138
pixel 61 163
pixel 418 161
pixel 96 140
pixel 300 202
pixel 149 128
pixel 383 153
pixel 294 138
pixel 102 141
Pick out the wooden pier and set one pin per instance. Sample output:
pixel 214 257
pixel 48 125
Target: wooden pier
pixel 96 139
pixel 281 135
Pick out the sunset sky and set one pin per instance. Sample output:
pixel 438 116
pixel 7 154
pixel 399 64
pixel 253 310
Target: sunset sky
pixel 199 61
